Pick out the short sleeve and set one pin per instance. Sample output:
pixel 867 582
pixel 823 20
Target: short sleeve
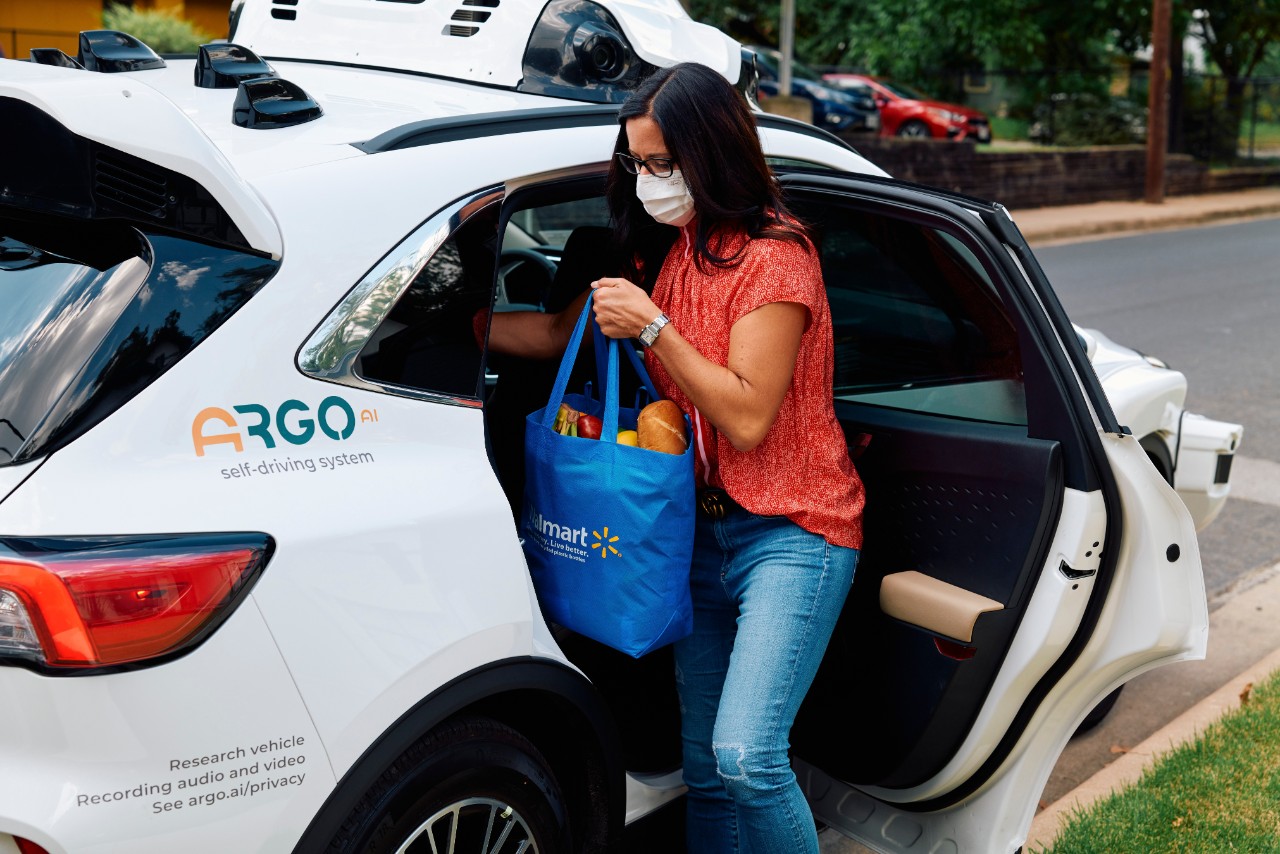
pixel 776 271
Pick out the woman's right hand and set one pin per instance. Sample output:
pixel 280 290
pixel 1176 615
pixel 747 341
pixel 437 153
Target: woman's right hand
pixel 622 309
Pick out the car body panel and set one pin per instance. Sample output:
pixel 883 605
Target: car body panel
pixel 434 39
pixel 132 117
pixel 1149 398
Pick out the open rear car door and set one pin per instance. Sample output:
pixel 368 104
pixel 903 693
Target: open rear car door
pixel 1022 557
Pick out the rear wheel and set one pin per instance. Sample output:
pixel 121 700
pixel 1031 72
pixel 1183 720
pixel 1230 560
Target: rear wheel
pixel 472 786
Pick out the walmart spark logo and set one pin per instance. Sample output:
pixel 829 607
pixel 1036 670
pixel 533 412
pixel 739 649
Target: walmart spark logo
pixel 603 543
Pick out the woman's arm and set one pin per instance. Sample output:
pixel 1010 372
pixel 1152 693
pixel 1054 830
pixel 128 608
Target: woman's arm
pixel 742 398
pixel 532 334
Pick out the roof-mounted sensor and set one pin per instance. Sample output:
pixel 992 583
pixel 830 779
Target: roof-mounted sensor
pixel 270 102
pixel 223 66
pixel 578 50
pixel 110 51
pixel 53 56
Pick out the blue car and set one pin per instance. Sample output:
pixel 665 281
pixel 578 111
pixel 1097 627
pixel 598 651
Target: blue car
pixel 833 109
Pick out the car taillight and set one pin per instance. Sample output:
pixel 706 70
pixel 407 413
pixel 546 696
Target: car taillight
pixel 26 846
pixel 71 603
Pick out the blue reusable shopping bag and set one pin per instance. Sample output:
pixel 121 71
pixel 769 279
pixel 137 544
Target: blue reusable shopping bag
pixel 607 528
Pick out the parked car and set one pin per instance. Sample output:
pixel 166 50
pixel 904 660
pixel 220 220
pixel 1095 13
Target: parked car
pixel 260 581
pixel 905 111
pixel 833 109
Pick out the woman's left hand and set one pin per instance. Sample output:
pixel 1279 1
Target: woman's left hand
pixel 622 309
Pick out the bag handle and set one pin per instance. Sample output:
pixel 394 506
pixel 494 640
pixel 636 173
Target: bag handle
pixel 609 393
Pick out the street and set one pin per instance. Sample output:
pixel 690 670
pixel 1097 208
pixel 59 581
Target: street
pixel 1207 301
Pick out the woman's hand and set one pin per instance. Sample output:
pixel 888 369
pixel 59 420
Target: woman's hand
pixel 622 309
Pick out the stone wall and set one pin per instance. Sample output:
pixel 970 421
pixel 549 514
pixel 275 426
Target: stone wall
pixel 1038 178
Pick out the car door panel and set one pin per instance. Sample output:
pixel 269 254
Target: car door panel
pixel 966 504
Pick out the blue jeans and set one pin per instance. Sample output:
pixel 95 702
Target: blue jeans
pixel 766 596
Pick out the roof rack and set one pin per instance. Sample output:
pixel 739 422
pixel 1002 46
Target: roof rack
pixel 454 128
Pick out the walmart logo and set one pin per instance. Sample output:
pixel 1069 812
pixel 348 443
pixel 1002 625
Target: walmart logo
pixel 604 543
pixel 566 540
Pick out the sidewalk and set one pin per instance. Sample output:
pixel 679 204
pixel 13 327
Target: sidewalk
pixel 1074 222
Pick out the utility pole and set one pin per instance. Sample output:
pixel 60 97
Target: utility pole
pixel 1158 102
pixel 788 46
pixel 784 103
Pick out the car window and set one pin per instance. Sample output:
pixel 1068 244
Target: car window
pixel 93 312
pixel 917 322
pixel 426 342
pixel 904 91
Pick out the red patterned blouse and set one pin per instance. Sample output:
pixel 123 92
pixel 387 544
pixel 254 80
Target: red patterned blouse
pixel 801 469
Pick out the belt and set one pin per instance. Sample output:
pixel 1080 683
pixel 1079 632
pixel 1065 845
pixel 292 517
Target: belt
pixel 715 503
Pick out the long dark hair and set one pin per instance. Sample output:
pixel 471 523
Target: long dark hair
pixel 710 133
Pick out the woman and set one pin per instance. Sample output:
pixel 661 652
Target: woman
pixel 725 291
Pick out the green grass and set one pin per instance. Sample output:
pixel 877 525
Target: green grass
pixel 1218 793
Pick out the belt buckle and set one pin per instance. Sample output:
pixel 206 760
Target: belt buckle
pixel 713 503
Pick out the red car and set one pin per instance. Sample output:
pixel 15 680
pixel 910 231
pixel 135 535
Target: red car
pixel 907 112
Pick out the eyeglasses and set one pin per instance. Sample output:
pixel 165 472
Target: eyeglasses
pixel 658 167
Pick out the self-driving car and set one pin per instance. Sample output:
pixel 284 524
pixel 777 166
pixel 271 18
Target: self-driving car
pixel 261 588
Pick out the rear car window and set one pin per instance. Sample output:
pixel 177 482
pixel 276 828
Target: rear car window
pixel 92 312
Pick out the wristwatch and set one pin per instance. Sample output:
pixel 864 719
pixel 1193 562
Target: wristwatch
pixel 650 333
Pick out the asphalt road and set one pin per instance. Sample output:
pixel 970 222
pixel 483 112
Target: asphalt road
pixel 1207 301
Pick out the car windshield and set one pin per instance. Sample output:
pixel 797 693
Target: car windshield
pixel 904 91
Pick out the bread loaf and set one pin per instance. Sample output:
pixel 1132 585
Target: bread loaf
pixel 661 428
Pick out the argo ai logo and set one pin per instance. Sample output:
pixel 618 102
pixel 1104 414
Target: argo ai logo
pixel 292 421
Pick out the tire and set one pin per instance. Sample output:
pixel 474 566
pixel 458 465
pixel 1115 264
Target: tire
pixel 915 129
pixel 463 785
pixel 1098 713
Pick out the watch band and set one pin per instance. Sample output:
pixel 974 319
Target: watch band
pixel 650 333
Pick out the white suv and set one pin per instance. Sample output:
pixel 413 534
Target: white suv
pixel 260 582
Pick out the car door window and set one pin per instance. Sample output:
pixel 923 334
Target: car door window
pixel 426 341
pixel 917 323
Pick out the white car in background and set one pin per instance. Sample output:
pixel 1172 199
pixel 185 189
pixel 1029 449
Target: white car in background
pixel 260 581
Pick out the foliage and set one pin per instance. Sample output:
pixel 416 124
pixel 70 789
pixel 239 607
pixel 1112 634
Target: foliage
pixel 1053 47
pixel 1218 793
pixel 160 30
pixel 1087 118
pixel 1237 35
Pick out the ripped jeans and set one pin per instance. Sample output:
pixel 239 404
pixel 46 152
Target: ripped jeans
pixel 766 596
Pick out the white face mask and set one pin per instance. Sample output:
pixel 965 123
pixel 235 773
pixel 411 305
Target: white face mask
pixel 665 199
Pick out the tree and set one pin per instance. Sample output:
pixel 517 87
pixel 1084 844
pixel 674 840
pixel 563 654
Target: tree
pixel 1237 35
pixel 161 31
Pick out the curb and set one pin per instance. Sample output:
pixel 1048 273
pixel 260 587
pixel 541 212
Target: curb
pixel 1129 768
